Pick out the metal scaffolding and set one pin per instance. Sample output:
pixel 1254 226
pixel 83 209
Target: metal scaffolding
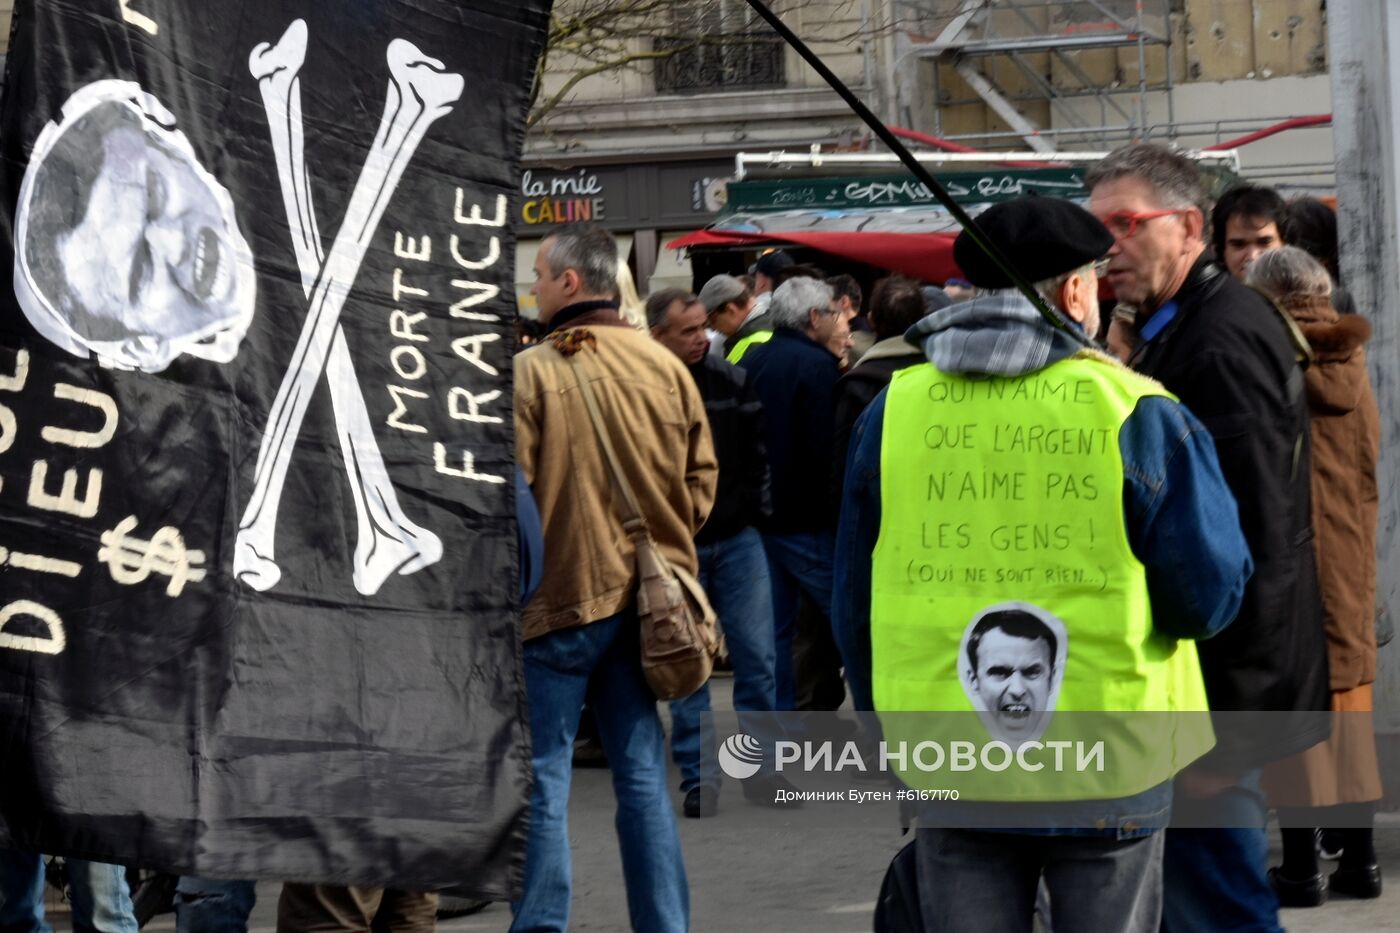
pixel 977 38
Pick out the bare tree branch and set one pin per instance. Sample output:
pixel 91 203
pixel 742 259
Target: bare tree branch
pixel 573 80
pixel 606 36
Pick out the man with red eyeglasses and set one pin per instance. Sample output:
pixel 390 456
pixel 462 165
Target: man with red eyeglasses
pixel 1229 356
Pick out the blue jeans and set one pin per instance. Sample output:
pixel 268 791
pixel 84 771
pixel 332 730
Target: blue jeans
pixel 599 663
pixel 976 882
pixel 1217 879
pixel 734 573
pixel 797 563
pixel 206 906
pixel 101 900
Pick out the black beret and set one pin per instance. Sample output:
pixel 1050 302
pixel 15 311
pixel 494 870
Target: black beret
pixel 1042 237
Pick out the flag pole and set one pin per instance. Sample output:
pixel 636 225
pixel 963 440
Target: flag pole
pixel 921 173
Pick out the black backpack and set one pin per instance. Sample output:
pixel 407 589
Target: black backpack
pixel 897 909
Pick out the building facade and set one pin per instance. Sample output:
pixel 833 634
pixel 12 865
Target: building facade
pixel 1093 75
pixel 653 137
pixel 660 132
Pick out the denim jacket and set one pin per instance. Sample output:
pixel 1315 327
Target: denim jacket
pixel 1180 516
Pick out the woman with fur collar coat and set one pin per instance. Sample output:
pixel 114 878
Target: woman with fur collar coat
pixel 1338 781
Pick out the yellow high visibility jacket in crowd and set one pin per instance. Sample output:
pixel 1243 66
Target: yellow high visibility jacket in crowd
pixel 749 342
pixel 1004 586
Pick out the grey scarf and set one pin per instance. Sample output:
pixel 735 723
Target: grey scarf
pixel 998 334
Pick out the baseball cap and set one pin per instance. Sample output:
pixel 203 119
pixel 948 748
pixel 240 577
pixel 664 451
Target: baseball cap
pixel 719 291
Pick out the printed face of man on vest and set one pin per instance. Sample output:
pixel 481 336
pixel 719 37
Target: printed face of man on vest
pixel 127 248
pixel 1012 672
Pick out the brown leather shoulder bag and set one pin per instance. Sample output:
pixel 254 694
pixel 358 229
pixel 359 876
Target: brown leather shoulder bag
pixel 678 624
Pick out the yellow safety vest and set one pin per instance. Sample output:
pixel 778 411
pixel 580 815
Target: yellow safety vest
pixel 743 346
pixel 1004 587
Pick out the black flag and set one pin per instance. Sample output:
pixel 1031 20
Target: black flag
pixel 258 555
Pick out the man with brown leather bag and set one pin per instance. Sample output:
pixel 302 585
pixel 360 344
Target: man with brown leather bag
pixel 581 631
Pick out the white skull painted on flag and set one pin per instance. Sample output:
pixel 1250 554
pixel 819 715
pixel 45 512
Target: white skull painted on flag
pixel 127 249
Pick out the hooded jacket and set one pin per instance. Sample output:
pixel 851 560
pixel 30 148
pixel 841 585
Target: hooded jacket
pixel 1227 354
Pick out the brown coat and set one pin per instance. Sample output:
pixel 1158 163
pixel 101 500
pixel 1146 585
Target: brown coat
pixel 1345 447
pixel 659 430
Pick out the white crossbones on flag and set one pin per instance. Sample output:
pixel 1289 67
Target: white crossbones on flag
pixel 420 91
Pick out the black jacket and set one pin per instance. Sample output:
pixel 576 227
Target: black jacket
pixel 1228 356
pixel 859 387
pixel 736 424
pixel 795 378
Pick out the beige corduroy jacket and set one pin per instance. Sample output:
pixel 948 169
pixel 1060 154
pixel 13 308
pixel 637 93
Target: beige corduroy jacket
pixel 658 428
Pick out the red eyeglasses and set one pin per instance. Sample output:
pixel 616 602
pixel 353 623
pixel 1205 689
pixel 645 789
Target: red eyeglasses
pixel 1123 224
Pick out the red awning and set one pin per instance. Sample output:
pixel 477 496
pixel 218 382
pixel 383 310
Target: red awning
pixel 924 256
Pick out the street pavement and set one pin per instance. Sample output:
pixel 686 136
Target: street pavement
pixel 759 870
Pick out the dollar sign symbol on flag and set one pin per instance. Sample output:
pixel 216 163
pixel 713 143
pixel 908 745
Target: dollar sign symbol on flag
pixel 133 560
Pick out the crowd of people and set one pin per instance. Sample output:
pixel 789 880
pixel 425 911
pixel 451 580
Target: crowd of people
pixel 774 429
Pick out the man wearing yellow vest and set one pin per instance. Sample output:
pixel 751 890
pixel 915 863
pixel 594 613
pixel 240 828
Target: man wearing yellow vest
pixel 1029 530
pixel 729 312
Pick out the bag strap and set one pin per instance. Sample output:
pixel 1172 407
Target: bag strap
pixel 632 521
